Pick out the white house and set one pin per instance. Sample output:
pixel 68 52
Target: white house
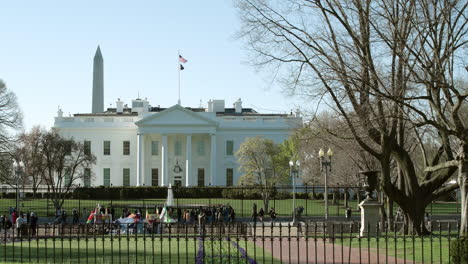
pixel 143 145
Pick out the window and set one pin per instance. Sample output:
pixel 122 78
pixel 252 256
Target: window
pixel 87 177
pixel 178 148
pixel 154 177
pixel 154 148
pixel 229 177
pixel 126 177
pixel 67 177
pixel 126 147
pixel 107 147
pixel 201 177
pixel 107 177
pixel 87 148
pixel 229 147
pixel 201 148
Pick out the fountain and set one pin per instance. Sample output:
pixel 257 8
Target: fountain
pixel 170 196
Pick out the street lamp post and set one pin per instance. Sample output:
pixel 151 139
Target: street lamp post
pixel 294 172
pixel 325 165
pixel 18 167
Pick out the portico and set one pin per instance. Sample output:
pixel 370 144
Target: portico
pixel 165 153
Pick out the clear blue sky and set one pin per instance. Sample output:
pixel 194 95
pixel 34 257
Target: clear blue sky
pixel 47 50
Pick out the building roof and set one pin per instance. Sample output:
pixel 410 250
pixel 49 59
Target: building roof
pixel 227 112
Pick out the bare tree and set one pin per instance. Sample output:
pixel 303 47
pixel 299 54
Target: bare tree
pixel 64 164
pixel 29 150
pixel 11 117
pixel 381 64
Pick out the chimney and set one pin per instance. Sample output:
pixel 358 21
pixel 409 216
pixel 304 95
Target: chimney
pixel 218 106
pixel 298 113
pixel 210 106
pixel 119 105
pixel 238 106
pixel 98 83
pixel 59 113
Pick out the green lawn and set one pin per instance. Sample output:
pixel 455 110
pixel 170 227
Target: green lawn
pixel 140 250
pixel 243 208
pixel 428 249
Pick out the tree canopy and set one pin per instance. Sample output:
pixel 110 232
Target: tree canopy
pixel 386 67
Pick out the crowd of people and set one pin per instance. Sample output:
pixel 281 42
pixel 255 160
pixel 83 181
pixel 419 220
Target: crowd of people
pixel 24 223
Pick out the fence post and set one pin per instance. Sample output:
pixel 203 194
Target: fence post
pixel 242 200
pixel 79 205
pixel 306 200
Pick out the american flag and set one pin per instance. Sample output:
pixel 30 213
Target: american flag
pixel 182 59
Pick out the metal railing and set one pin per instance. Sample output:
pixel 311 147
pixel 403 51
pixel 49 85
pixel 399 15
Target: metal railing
pixel 236 242
pixel 241 199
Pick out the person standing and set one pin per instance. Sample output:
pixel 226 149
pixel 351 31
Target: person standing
pixel 20 224
pixel 33 223
pixel 272 214
pixel 261 214
pixel 75 216
pixel 254 215
pixel 14 216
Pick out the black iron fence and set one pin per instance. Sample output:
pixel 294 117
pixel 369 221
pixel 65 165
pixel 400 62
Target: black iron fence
pixel 242 199
pixel 260 242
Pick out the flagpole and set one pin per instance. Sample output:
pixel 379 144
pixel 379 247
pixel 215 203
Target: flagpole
pixel 178 68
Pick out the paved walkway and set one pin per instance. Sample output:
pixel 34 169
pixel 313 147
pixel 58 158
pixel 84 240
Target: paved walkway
pixel 303 251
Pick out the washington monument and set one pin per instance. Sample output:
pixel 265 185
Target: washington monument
pixel 98 82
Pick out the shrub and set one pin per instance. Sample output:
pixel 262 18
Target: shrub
pixel 459 251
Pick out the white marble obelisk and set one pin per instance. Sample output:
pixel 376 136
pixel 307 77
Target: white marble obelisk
pixel 98 82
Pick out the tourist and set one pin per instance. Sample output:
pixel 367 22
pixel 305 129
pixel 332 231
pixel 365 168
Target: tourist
pixel 272 214
pixel 64 216
pixel 348 213
pixel 193 216
pixel 14 216
pixel 33 223
pixel 186 216
pixel 20 224
pixel 227 214
pixel 75 216
pixel 179 215
pixel 58 216
pixel 233 215
pixel 399 215
pixel 220 214
pixel 213 214
pixel 201 222
pixel 261 214
pixel 85 214
pixel 254 213
pixel 2 222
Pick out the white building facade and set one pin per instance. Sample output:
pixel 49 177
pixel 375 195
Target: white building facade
pixel 153 146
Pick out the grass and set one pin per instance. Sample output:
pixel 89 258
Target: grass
pixel 243 208
pixel 427 249
pixel 129 250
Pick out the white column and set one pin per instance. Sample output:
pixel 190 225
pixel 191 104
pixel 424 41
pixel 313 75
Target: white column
pixel 140 157
pixel 164 169
pixel 188 161
pixel 213 160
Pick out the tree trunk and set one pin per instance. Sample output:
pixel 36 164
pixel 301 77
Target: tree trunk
pixel 346 198
pixel 390 218
pixel 463 182
pixel 413 212
pixel 358 197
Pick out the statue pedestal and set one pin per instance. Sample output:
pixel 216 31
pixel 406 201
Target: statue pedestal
pixel 370 217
